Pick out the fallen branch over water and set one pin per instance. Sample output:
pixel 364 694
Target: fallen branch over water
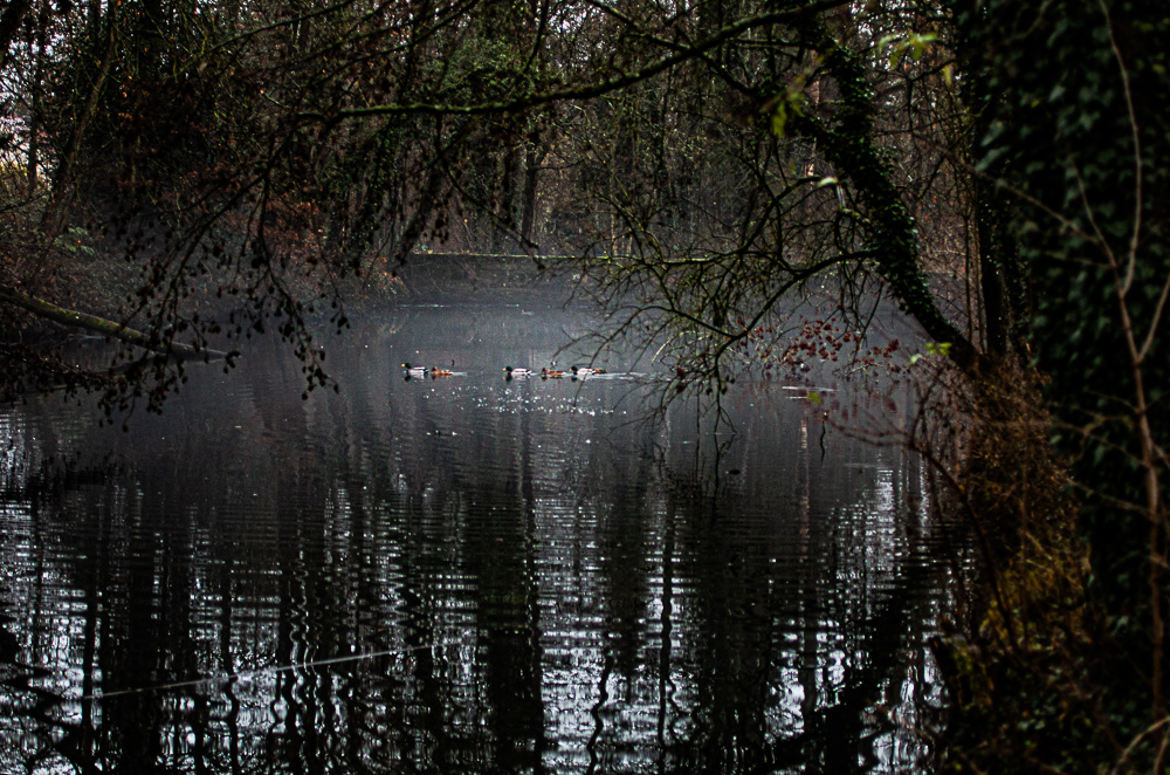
pixel 103 326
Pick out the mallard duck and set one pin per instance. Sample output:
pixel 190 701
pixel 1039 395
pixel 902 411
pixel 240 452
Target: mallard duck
pixel 585 371
pixel 437 373
pixel 409 371
pixel 517 372
pixel 552 373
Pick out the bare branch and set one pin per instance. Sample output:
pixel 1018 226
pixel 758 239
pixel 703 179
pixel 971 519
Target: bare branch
pixel 586 91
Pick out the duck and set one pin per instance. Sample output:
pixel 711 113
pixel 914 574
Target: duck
pixel 517 372
pixel 437 373
pixel 409 371
pixel 552 373
pixel 585 371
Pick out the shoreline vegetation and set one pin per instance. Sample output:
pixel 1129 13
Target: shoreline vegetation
pixel 1025 664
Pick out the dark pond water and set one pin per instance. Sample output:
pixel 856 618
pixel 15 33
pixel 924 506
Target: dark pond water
pixel 464 575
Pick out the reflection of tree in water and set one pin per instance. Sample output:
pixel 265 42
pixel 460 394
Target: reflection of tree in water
pixel 537 595
pixel 500 558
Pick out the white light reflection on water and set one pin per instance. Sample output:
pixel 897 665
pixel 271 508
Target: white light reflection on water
pixel 462 574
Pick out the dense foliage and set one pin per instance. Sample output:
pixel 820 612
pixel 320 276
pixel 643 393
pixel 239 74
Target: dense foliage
pixel 1076 138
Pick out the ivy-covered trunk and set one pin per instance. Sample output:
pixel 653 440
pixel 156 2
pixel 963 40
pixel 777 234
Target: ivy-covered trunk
pixel 847 141
pixel 1074 136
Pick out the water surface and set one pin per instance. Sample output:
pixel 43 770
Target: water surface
pixel 465 575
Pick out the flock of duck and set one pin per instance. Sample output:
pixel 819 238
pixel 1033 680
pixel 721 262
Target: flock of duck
pixel 410 371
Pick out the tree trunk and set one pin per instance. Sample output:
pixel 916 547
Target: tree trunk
pixel 69 317
pixel 532 162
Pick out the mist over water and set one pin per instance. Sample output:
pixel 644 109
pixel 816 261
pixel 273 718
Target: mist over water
pixel 466 574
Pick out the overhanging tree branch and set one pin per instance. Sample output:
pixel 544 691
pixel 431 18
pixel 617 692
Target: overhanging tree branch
pixel 592 90
pixel 847 142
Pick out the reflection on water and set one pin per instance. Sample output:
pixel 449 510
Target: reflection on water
pixel 462 575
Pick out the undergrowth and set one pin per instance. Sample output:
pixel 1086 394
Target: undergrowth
pixel 1031 669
